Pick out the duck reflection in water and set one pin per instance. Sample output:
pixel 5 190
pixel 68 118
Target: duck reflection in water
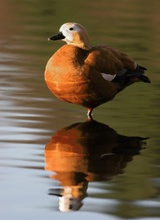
pixel 84 152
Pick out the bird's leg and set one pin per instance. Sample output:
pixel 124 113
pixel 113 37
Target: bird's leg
pixel 89 113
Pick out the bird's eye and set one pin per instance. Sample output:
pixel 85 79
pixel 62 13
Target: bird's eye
pixel 71 29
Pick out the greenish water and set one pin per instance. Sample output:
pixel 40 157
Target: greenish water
pixel 31 115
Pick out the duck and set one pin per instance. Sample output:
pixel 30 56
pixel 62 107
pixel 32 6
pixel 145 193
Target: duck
pixel 87 75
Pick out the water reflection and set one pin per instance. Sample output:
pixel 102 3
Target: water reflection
pixel 86 152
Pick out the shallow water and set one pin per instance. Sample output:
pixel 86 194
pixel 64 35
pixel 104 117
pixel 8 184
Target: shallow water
pixel 101 168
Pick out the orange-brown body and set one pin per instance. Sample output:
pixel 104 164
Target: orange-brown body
pixel 74 74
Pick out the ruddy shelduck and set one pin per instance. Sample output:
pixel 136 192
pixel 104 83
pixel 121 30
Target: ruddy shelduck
pixel 89 75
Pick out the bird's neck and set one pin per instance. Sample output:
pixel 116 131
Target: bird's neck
pixel 81 41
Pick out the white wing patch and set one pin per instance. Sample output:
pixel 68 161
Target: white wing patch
pixel 108 77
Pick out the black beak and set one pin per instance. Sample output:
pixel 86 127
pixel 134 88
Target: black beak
pixel 58 36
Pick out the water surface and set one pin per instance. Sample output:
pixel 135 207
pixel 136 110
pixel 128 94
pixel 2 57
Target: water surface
pixel 103 168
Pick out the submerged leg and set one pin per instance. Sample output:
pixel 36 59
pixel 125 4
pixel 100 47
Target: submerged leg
pixel 89 113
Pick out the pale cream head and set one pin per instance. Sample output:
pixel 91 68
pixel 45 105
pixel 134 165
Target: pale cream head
pixel 75 34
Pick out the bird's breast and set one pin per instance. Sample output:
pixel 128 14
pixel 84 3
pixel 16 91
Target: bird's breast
pixel 72 80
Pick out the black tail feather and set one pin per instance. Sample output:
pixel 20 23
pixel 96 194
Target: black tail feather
pixel 144 79
pixel 142 67
pixel 136 73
